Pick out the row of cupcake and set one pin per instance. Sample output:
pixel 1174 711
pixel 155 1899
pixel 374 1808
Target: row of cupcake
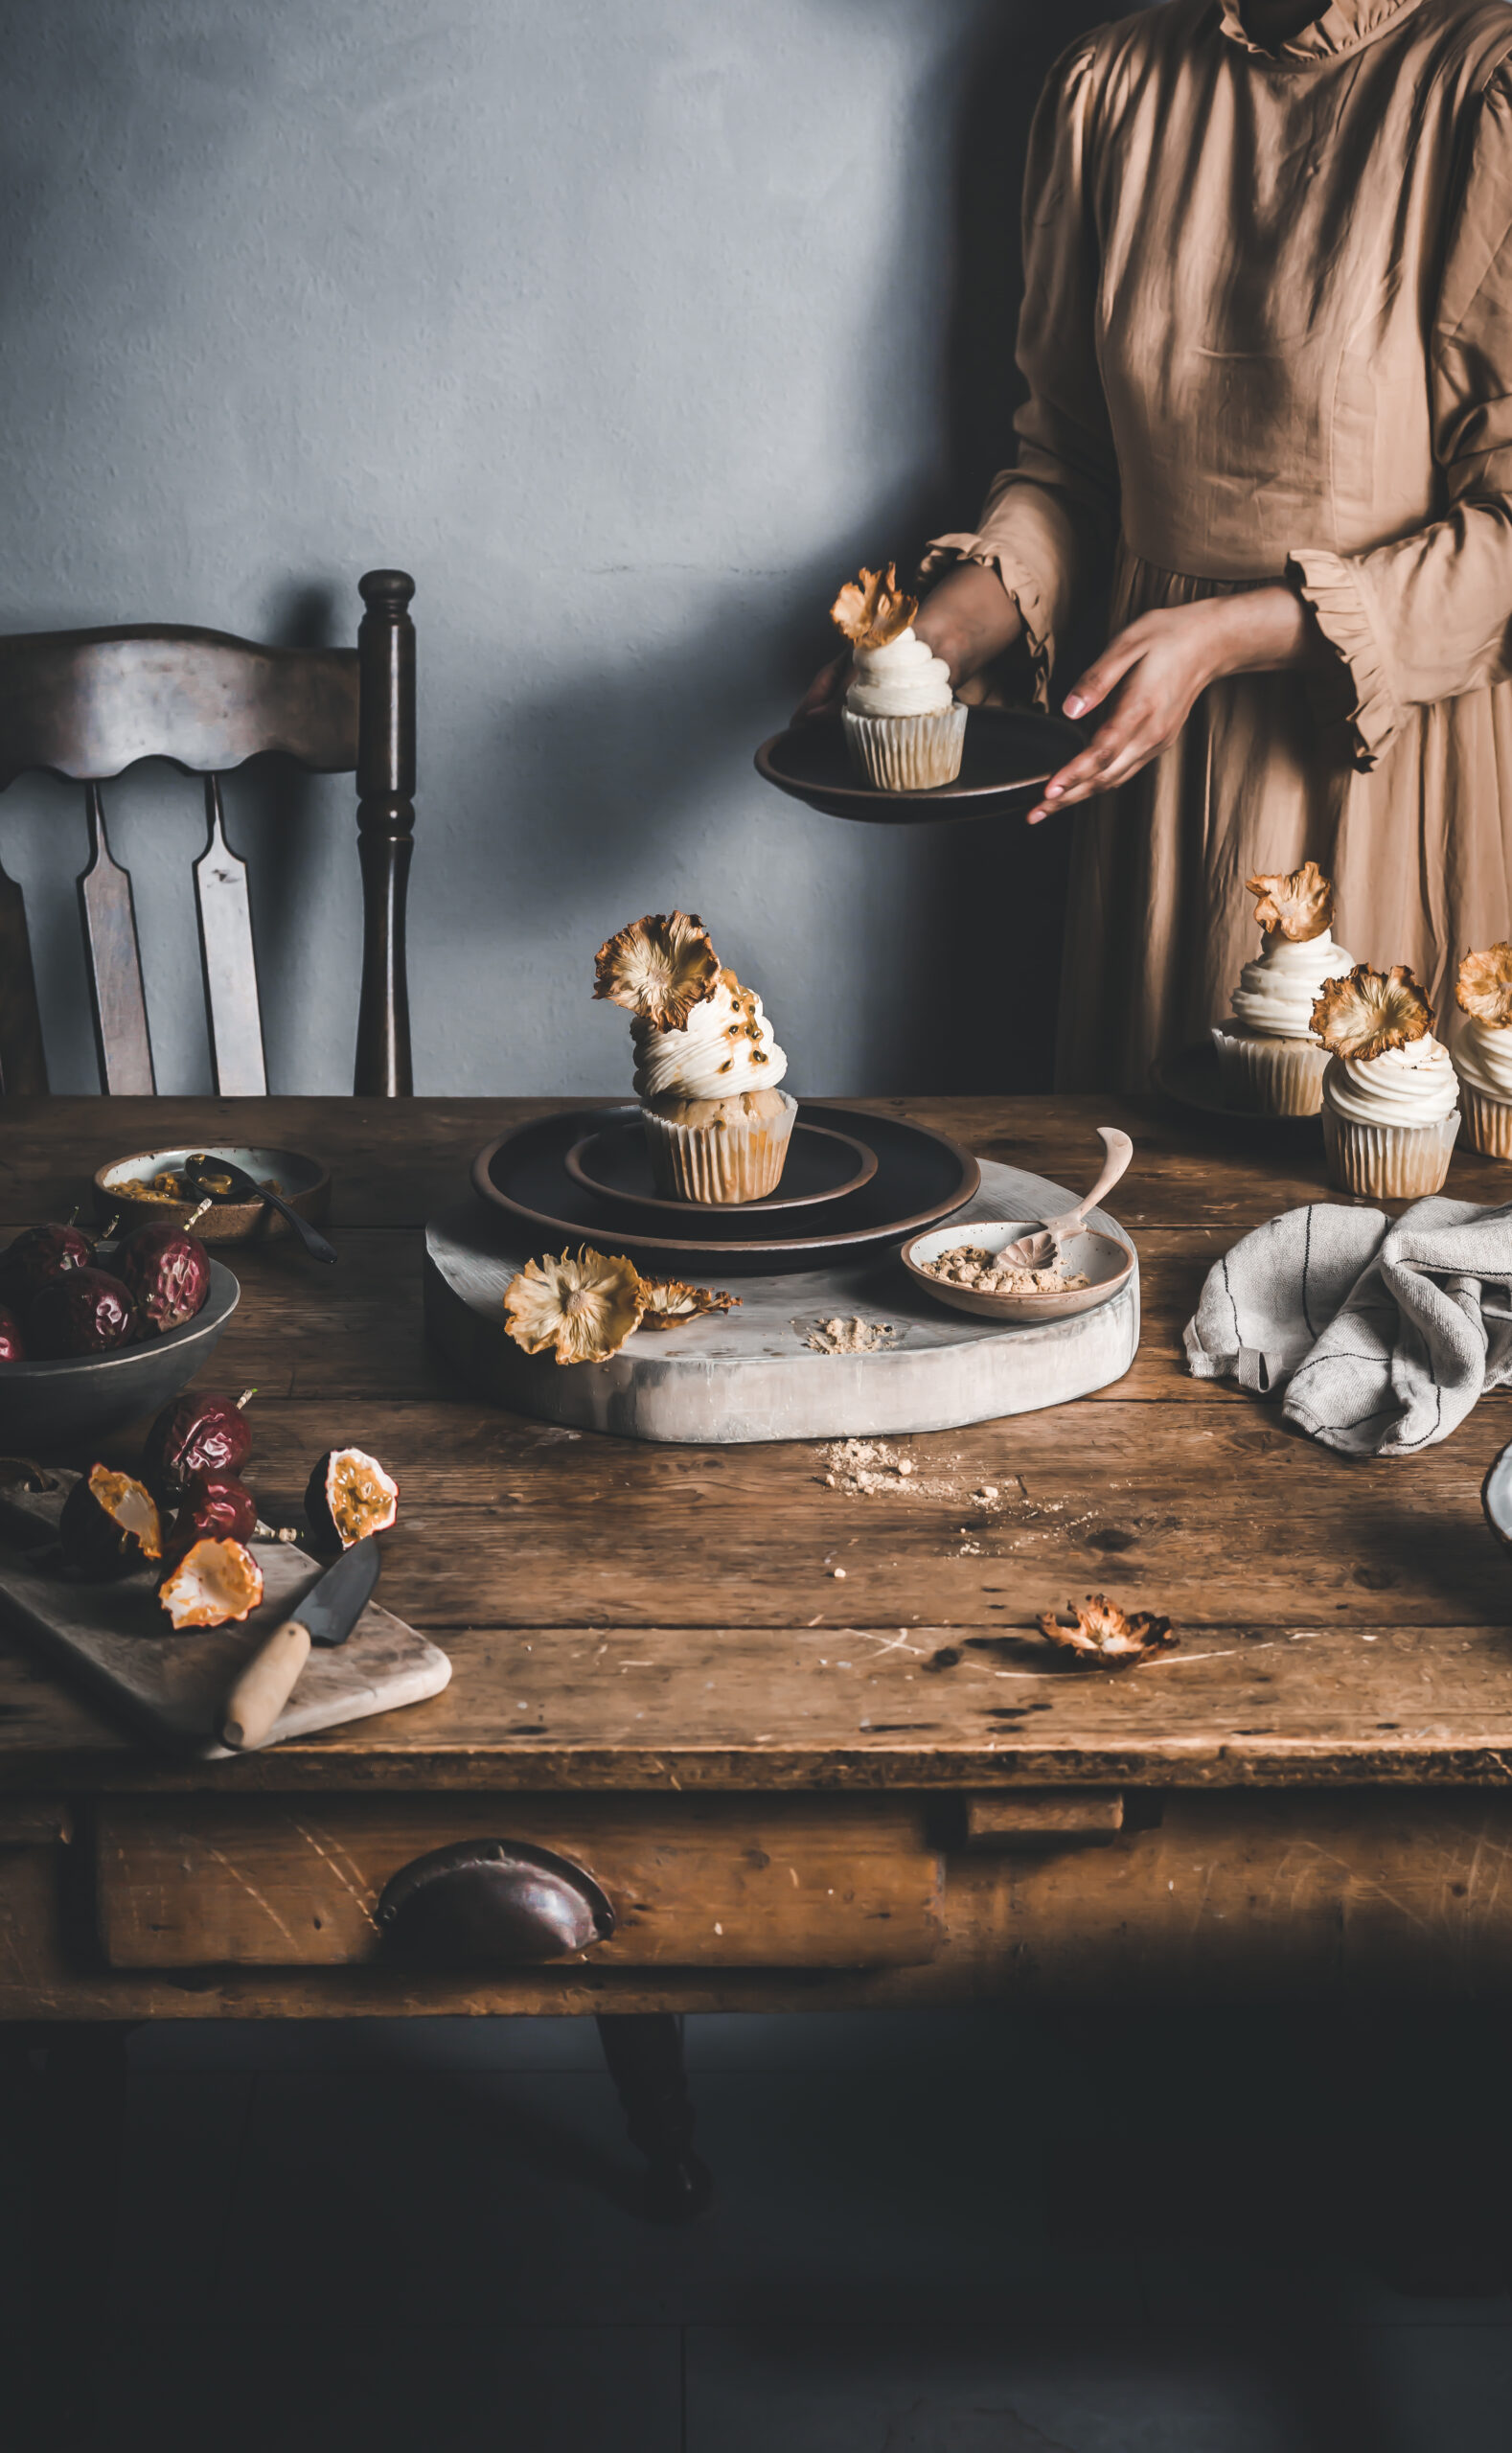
pixel 1313 1030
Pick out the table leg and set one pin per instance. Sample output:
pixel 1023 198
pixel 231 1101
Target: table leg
pixel 643 2052
pixel 72 2080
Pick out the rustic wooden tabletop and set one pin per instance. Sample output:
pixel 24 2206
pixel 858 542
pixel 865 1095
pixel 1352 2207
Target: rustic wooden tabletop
pixel 628 1616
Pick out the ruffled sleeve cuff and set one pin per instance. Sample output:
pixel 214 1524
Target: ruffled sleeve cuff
pixel 1020 584
pixel 1358 689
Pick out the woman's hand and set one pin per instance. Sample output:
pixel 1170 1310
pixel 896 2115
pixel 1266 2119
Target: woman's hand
pixel 1151 675
pixel 968 619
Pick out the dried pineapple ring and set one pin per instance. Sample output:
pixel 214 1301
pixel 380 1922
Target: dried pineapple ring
pixel 1366 1012
pixel 874 609
pixel 1484 986
pixel 669 1302
pixel 580 1310
pixel 1297 903
pixel 658 968
pixel 1100 1636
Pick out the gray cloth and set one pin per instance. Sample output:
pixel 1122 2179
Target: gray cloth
pixel 1382 1335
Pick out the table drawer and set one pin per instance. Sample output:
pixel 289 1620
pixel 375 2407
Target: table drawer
pixel 712 1882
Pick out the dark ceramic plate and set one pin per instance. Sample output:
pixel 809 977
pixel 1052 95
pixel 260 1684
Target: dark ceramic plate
pixel 1192 1081
pixel 1010 752
pixel 41 1403
pixel 921 1179
pixel 820 1167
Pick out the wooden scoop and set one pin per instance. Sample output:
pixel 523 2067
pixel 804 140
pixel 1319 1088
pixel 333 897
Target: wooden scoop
pixel 1042 1249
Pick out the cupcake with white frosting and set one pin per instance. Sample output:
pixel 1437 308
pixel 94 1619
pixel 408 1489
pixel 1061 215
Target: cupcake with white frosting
pixel 905 728
pixel 1269 1061
pixel 707 1063
pixel 1483 1050
pixel 1390 1093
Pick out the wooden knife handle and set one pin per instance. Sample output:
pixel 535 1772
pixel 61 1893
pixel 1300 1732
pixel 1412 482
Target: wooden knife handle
pixel 265 1686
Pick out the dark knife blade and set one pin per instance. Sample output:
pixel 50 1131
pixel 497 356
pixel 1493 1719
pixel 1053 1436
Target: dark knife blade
pixel 336 1600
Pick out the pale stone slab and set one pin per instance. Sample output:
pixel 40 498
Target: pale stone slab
pixel 750 1374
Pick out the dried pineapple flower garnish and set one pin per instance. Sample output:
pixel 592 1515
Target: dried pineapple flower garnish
pixel 669 1302
pixel 582 1310
pixel 873 610
pixel 1484 986
pixel 1369 1011
pixel 1298 903
pixel 658 968
pixel 1099 1636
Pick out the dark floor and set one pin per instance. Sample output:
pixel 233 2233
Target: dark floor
pixel 976 2233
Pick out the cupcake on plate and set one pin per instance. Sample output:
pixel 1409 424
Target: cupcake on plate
pixel 1483 1050
pixel 707 1065
pixel 1269 1063
pixel 905 728
pixel 1390 1093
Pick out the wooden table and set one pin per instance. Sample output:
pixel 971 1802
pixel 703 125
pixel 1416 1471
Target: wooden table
pixel 800 1728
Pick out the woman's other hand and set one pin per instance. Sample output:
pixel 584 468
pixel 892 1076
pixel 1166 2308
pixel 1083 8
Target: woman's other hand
pixel 1151 675
pixel 968 619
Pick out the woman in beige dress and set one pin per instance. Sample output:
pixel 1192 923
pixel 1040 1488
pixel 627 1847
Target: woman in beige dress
pixel 1268 339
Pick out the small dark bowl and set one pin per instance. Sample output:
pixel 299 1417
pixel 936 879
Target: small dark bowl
pixel 41 1403
pixel 303 1182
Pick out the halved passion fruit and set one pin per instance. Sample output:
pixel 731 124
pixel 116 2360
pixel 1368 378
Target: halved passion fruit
pixel 109 1525
pixel 212 1584
pixel 348 1496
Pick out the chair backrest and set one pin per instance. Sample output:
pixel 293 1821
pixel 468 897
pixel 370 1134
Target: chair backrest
pixel 86 704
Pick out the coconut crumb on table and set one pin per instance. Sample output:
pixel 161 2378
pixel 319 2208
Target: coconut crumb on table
pixel 851 1336
pixel 991 1274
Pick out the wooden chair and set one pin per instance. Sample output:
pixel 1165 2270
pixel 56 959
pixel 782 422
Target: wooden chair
pixel 86 704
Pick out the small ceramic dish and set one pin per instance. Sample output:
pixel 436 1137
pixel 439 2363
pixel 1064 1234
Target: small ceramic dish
pixel 303 1182
pixel 93 1393
pixel 1104 1261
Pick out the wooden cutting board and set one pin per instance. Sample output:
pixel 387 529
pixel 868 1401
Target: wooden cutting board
pixel 171 1688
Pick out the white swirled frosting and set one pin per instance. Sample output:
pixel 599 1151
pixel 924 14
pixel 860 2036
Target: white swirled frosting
pixel 725 1046
pixel 1277 991
pixel 901 678
pixel 1483 1056
pixel 1413 1084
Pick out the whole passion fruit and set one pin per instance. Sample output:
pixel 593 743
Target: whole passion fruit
pixel 83 1311
pixel 348 1496
pixel 38 1255
pixel 168 1271
pixel 12 1344
pixel 212 1585
pixel 200 1433
pixel 216 1508
pixel 109 1525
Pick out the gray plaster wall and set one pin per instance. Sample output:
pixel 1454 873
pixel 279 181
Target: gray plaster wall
pixel 628 327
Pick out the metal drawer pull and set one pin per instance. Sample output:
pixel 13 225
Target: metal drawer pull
pixel 1035 1820
pixel 492 1903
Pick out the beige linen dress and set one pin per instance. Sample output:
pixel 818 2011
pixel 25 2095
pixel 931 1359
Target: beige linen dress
pixel 1268 335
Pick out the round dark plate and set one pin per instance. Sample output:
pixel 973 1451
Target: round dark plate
pixel 1010 752
pixel 42 1402
pixel 921 1178
pixel 820 1167
pixel 1192 1080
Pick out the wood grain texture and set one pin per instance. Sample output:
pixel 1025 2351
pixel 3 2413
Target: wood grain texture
pixel 113 962
pixel 621 1616
pixel 228 960
pixel 712 1882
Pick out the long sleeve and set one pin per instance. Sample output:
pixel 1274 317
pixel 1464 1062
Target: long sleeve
pixel 1430 616
pixel 1050 523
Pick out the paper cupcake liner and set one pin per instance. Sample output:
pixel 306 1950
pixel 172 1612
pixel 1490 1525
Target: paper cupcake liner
pixel 1269 1076
pixel 738 1158
pixel 1387 1161
pixel 907 754
pixel 1488 1122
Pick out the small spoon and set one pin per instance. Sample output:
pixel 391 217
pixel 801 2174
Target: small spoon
pixel 198 1168
pixel 1042 1249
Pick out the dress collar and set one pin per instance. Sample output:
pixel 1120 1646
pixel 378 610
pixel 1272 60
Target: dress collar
pixel 1346 25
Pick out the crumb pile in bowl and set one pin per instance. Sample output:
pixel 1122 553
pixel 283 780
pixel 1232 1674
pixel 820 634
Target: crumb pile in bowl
pixel 995 1273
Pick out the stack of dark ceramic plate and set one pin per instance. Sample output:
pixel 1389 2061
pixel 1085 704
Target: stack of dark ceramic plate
pixel 851 1182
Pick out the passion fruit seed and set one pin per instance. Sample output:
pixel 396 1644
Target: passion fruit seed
pixel 12 1344
pixel 348 1496
pixel 213 1583
pixel 83 1311
pixel 201 1431
pixel 109 1525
